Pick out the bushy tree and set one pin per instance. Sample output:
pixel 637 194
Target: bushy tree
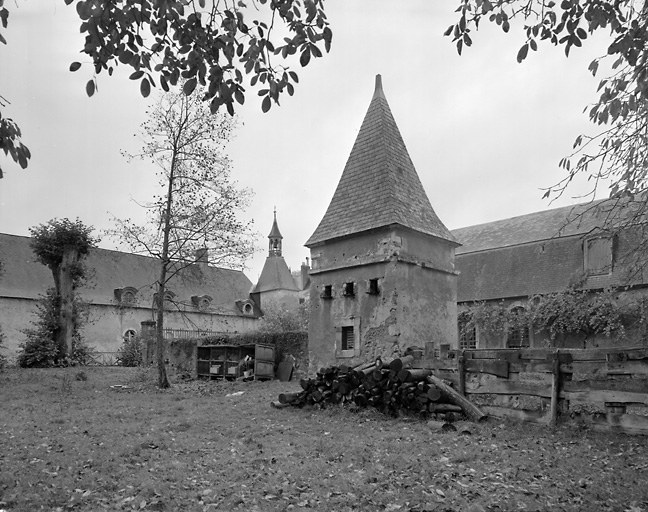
pixel 41 348
pixel 278 318
pixel 130 353
pixel 198 205
pixel 213 45
pixel 616 156
pixel 62 245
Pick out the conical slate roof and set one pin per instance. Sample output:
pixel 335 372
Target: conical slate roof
pixel 274 232
pixel 275 276
pixel 379 185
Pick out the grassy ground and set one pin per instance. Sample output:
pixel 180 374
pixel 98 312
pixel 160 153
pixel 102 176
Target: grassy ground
pixel 81 445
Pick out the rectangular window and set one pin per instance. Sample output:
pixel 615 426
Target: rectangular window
pixel 327 293
pixel 348 290
pixel 348 338
pixel 598 256
pixel 373 287
pixel 467 335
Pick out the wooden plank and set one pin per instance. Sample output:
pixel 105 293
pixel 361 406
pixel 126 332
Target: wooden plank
pixel 627 367
pixel 499 367
pixel 461 373
pixel 605 353
pixel 624 384
pixel 584 367
pixel 599 354
pixel 509 387
pixel 517 414
pixel 602 396
pixel 627 423
pixel 530 366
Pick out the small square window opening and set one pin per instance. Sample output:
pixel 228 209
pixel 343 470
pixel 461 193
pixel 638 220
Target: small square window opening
pixel 373 287
pixel 327 293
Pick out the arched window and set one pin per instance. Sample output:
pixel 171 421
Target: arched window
pixel 467 335
pixel 518 331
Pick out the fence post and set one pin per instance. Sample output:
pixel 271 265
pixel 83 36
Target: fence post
pixel 461 369
pixel 147 333
pixel 555 387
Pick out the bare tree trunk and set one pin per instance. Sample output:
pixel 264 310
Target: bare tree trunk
pixel 65 292
pixel 163 381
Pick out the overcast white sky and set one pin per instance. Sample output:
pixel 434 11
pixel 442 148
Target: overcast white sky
pixel 484 132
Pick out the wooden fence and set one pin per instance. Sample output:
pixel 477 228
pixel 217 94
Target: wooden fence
pixel 605 388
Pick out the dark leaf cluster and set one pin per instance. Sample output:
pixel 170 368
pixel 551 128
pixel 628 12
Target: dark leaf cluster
pixel 51 240
pixel 11 143
pixel 208 43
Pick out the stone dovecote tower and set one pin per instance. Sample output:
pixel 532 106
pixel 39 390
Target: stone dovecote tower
pixel 382 276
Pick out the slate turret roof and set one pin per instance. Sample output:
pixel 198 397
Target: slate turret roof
pixel 275 274
pixel 379 186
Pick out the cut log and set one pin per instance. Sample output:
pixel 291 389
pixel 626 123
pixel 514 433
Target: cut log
pixel 288 398
pixel 450 395
pixel 278 405
pixel 434 394
pixel 418 374
pixel 444 408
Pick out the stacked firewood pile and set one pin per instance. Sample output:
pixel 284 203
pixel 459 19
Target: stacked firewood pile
pixel 390 387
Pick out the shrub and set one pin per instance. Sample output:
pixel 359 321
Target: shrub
pixel 40 350
pixel 130 353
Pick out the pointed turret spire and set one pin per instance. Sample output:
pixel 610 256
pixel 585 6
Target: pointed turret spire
pixel 275 238
pixel 379 186
pixel 275 274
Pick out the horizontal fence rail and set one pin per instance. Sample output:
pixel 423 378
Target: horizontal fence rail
pixel 175 334
pixel 605 388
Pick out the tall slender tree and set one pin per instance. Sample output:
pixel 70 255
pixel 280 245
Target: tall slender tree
pixel 62 245
pixel 197 207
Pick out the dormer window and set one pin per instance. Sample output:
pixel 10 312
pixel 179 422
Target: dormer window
pixel 168 299
pixel 201 302
pixel 126 296
pixel 598 256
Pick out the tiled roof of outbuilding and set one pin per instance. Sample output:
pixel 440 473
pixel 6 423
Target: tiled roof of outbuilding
pixel 379 185
pixel 533 227
pixel 24 277
pixel 541 252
